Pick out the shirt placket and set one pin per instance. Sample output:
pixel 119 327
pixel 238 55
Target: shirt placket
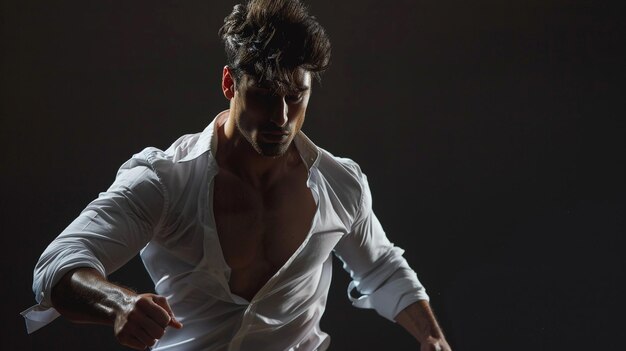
pixel 249 314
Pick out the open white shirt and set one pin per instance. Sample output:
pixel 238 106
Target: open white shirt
pixel 161 204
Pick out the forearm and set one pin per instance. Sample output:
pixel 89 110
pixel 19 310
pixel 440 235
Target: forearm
pixel 419 320
pixel 83 295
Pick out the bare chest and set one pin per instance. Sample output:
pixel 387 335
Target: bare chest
pixel 259 230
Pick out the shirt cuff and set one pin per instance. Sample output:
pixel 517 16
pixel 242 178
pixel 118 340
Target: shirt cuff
pixel 393 297
pixel 38 316
pixel 44 284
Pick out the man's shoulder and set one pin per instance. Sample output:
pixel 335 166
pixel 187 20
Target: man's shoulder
pixel 186 148
pixel 343 175
pixel 337 164
pixel 185 158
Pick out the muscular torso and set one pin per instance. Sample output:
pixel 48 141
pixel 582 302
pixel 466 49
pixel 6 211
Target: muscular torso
pixel 260 227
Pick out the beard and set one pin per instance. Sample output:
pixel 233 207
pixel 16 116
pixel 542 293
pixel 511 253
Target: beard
pixel 267 149
pixel 271 149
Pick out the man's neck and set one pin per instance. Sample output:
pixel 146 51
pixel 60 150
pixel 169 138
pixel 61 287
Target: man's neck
pixel 236 155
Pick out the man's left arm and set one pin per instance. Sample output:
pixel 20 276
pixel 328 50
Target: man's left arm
pixel 384 279
pixel 419 320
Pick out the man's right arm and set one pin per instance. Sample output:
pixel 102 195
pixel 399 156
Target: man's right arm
pixel 83 295
pixel 71 273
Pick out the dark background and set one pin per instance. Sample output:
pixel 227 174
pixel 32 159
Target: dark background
pixel 492 133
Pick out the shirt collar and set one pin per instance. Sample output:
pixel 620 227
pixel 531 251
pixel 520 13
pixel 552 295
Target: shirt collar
pixel 308 151
pixel 207 141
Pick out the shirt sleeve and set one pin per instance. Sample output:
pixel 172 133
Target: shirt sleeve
pixel 379 272
pixel 110 231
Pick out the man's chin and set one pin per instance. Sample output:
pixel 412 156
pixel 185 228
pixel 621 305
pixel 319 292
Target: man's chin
pixel 272 149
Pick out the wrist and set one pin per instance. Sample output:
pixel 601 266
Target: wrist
pixel 116 301
pixel 419 320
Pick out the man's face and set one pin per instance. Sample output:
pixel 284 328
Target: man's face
pixel 270 120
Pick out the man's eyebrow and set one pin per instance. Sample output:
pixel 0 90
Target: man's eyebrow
pixel 302 88
pixel 298 90
pixel 289 90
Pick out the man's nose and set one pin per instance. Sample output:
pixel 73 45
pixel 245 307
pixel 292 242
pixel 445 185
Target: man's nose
pixel 280 113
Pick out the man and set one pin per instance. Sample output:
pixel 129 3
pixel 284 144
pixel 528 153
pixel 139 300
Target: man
pixel 236 224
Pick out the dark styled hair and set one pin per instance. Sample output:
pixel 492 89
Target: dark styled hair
pixel 270 39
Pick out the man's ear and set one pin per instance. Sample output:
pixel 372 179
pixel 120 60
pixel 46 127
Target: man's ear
pixel 228 83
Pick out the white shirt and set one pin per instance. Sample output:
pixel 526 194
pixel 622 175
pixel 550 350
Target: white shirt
pixel 160 204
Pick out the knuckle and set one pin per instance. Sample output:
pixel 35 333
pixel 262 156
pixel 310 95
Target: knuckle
pixel 164 322
pixel 142 301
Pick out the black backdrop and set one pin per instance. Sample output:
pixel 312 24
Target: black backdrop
pixel 491 132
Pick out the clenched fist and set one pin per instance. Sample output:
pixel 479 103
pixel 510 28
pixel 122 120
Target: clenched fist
pixel 143 320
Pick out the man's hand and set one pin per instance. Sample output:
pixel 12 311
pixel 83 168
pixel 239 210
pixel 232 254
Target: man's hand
pixel 419 320
pixel 143 321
